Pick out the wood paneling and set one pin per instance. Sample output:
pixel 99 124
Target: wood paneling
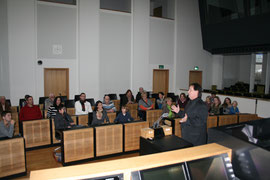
pixel 116 104
pixel 177 127
pixel 111 117
pixel 83 120
pixel 12 157
pixel 132 135
pixel 109 139
pixel 153 100
pixel 36 133
pixel 195 77
pixel 160 80
pixel 56 80
pixel 125 166
pixel 71 111
pixel 247 117
pixel 133 110
pixel 78 144
pixel 227 119
pixel 15 117
pixel 152 116
pixel 211 121
pixel 14 109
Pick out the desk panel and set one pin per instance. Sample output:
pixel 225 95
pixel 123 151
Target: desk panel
pixel 132 135
pixel 109 139
pixel 227 119
pixel 12 157
pixel 152 116
pixel 83 120
pixel 78 144
pixel 36 133
pixel 177 127
pixel 247 117
pixel 211 121
pixel 111 117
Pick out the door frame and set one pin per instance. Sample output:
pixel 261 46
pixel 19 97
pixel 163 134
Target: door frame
pixel 67 75
pixel 167 79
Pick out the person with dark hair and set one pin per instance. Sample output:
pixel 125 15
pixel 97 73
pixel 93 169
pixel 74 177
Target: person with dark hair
pixel 4 105
pixel 208 103
pixel 24 102
pixel 226 105
pixel 128 98
pixel 99 115
pixel 82 106
pixel 108 105
pixel 160 100
pixel 55 107
pixel 6 125
pixel 30 111
pixel 194 117
pixel 139 94
pixel 144 105
pixel 62 120
pixel 213 95
pixel 124 116
pixel 216 108
pixel 182 101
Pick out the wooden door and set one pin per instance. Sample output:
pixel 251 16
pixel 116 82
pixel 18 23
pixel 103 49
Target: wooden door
pixel 160 80
pixel 195 77
pixel 56 80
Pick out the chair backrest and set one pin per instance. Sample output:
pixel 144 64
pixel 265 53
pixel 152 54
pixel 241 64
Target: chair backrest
pixel 113 96
pixel 21 101
pixel 76 97
pixel 83 120
pixel 69 103
pixel 8 101
pixel 91 101
pixel 170 94
pixel 63 98
pixel 247 117
pixel 132 106
pixel 42 100
pixel 155 95
pixel 116 104
pixel 111 117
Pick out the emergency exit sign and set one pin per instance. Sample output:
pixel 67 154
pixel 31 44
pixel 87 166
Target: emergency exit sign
pixel 161 66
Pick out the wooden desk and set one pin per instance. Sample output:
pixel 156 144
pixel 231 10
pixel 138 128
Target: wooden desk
pixel 212 121
pixel 83 120
pixel 132 132
pixel 227 119
pixel 127 165
pixel 247 117
pixel 152 116
pixel 78 144
pixel 111 117
pixel 12 156
pixel 37 133
pixel 109 139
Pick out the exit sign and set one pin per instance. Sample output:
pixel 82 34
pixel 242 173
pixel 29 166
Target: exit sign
pixel 161 66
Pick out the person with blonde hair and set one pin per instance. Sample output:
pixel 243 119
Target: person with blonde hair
pixel 234 109
pixel 167 107
pixel 144 105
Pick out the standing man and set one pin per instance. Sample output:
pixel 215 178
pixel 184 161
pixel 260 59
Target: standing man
pixel 194 117
pixel 6 125
pixel 82 106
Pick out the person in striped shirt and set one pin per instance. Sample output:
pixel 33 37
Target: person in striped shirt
pixel 54 108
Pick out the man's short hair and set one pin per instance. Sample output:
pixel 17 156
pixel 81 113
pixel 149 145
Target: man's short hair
pixel 82 93
pixel 61 106
pixel 28 98
pixel 197 87
pixel 4 113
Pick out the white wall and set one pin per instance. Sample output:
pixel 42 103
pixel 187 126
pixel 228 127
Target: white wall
pixel 115 45
pixel 217 71
pixel 140 61
pixel 230 70
pixel 22 49
pixel 190 52
pixel 4 63
pixel 244 68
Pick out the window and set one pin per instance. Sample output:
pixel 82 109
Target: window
pixel 116 5
pixel 258 68
pixel 71 2
pixel 162 8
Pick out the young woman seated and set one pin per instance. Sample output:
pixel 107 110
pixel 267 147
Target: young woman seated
pixel 99 115
pixel 216 107
pixel 167 107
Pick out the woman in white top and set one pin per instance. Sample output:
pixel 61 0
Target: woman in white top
pixel 82 106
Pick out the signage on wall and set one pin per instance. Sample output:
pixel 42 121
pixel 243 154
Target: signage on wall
pixel 161 66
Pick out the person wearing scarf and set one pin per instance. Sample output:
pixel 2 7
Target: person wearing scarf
pixel 82 106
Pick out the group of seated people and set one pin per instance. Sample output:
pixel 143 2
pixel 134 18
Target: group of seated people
pixel 216 108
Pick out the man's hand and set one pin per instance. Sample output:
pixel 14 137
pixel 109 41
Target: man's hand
pixel 184 119
pixel 175 109
pixel 12 122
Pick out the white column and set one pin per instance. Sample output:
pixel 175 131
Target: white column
pixel 252 73
pixel 88 64
pixel 217 72
pixel 267 73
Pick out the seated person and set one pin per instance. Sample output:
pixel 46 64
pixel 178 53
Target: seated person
pixel 108 105
pixel 49 101
pixel 24 102
pixel 160 100
pixel 182 101
pixel 124 116
pixel 55 107
pixel 6 125
pixel 226 105
pixel 166 108
pixel 62 120
pixel 234 109
pixel 4 105
pixel 99 115
pixel 144 105
pixel 82 106
pixel 128 98
pixel 139 95
pixel 213 95
pixel 208 103
pixel 30 111
pixel 216 107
